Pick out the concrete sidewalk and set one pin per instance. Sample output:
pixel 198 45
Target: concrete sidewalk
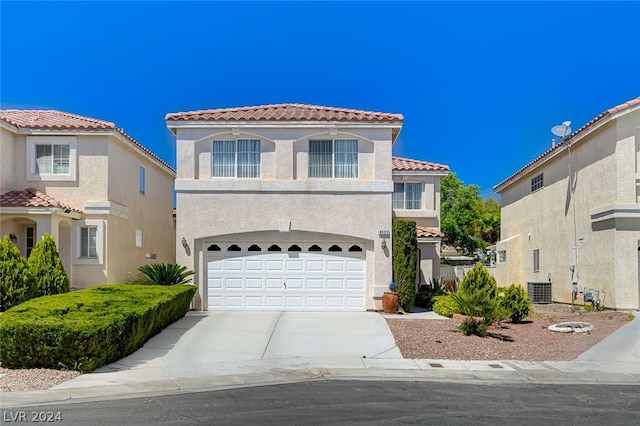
pixel 278 348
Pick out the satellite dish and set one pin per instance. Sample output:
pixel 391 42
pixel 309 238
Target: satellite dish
pixel 562 130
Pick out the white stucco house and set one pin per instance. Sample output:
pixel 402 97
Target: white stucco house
pixel 571 217
pixel 105 198
pixel 290 206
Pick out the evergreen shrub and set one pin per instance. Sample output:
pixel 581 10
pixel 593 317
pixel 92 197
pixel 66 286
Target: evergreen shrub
pixel 46 266
pixel 405 258
pixel 17 283
pixel 85 329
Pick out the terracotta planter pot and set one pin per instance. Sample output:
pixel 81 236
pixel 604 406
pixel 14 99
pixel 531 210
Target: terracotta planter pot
pixel 390 302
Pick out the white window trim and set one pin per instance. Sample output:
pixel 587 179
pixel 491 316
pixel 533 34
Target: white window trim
pixel 404 195
pixel 537 180
pixel 501 256
pixel 100 239
pixel 32 171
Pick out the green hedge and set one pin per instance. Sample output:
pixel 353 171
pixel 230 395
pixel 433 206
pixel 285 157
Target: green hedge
pixel 85 329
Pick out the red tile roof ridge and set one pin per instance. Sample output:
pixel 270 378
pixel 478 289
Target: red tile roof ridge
pixel 51 119
pixel 284 112
pixel 32 197
pixel 408 164
pixel 611 111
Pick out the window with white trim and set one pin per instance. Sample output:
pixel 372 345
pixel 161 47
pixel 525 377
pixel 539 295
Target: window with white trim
pixel 333 158
pixel 537 182
pixel 502 256
pixel 236 158
pixel 142 180
pixel 88 247
pixel 407 196
pixel 51 158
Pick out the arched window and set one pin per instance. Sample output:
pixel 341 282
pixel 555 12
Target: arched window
pixel 234 247
pixel 294 248
pixel 315 247
pixel 254 247
pixel 335 247
pixel 274 247
pixel 355 248
pixel 213 247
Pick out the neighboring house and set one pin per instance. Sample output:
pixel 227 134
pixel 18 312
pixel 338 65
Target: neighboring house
pixel 105 198
pixel 571 217
pixel 416 197
pixel 289 206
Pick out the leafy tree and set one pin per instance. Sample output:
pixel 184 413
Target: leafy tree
pixel 487 226
pixel 166 274
pixel 17 283
pixel 46 266
pixel 458 205
pixel 405 258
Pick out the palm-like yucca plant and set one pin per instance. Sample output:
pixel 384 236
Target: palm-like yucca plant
pixel 166 273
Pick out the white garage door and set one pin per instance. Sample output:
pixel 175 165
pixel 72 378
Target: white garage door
pixel 276 276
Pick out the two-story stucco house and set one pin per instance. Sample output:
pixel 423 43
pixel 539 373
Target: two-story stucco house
pixel 571 217
pixel 105 198
pixel 289 206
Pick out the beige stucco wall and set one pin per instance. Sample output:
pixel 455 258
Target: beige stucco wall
pixel 604 167
pixel 322 209
pixel 7 144
pixel 150 212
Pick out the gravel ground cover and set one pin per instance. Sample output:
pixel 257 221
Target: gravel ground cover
pixel 527 341
pixel 435 339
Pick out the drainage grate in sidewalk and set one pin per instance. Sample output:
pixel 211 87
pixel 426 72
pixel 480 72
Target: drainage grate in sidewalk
pixel 436 365
pixel 495 366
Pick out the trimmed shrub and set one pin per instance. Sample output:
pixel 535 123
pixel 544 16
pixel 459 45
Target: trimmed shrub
pixel 46 266
pixel 166 273
pixel 516 301
pixel 405 258
pixel 17 283
pixel 85 329
pixel 444 305
pixel 479 278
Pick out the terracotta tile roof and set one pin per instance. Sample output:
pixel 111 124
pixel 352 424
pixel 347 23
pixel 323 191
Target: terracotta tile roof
pixel 399 164
pixel 31 197
pixel 285 112
pixel 424 232
pixel 562 145
pixel 58 120
pixel 51 119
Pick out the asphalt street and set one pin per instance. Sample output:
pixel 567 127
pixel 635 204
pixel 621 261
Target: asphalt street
pixel 358 402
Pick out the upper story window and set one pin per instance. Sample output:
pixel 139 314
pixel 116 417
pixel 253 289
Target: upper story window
pixel 141 180
pixel 51 158
pixel 236 158
pixel 407 196
pixel 333 158
pixel 537 182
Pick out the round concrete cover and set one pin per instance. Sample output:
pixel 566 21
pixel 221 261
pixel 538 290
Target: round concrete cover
pixel 572 327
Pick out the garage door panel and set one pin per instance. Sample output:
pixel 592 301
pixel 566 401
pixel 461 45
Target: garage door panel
pixel 278 281
pixel 315 284
pixel 254 283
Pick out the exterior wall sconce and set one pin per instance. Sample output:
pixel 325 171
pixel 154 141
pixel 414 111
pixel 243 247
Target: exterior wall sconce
pixel 13 238
pixel 383 244
pixel 184 242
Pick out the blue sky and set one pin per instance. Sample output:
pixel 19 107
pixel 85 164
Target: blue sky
pixel 479 84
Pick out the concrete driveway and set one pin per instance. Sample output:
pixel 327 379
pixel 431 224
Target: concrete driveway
pixel 209 344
